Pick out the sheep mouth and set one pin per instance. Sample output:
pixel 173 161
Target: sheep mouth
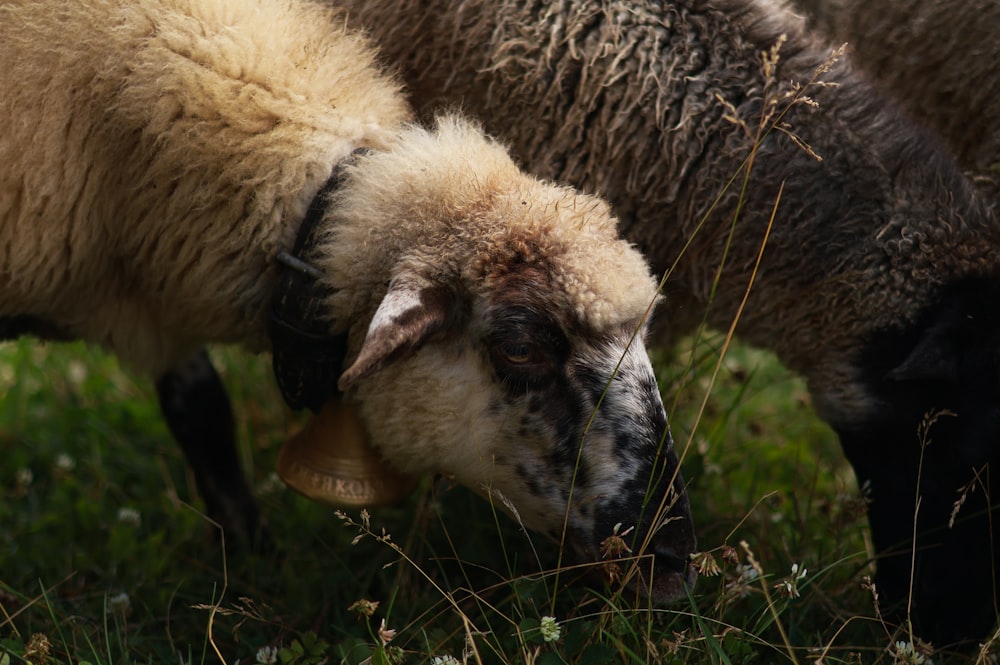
pixel 661 576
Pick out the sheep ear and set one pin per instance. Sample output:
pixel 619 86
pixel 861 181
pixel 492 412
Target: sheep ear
pixel 932 358
pixel 407 316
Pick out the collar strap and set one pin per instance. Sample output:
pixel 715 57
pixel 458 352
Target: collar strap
pixel 307 358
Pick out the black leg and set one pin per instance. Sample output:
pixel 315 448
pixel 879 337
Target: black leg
pixel 197 411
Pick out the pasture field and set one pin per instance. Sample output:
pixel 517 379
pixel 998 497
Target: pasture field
pixel 106 558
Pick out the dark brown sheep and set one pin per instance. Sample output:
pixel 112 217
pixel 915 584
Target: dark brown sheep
pixel 879 277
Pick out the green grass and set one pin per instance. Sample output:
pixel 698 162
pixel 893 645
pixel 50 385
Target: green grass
pixel 83 440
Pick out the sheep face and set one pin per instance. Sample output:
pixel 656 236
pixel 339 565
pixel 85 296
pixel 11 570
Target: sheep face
pixel 560 425
pixel 929 424
pixel 507 349
pixel 583 448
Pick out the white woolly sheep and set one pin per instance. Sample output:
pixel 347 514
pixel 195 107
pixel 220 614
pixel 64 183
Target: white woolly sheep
pixel 155 162
pixel 879 278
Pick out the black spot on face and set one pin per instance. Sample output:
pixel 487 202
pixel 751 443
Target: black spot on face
pixel 531 481
pixel 592 382
pixel 570 401
pixel 570 464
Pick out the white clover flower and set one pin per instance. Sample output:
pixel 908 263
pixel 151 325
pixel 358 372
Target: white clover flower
pixel 64 463
pixel 445 660
pixel 386 634
pixel 129 516
pixel 119 603
pixel 789 587
pixel 549 629
pixel 904 653
pixel 267 655
pixel 739 587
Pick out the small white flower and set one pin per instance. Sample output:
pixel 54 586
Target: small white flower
pixel 386 634
pixel 64 463
pixel 129 516
pixel 789 587
pixel 445 660
pixel 76 371
pixel 119 603
pixel 267 655
pixel 905 653
pixel 24 477
pixel 746 575
pixel 549 629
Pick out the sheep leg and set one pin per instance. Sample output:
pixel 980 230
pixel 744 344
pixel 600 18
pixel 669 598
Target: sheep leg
pixel 197 412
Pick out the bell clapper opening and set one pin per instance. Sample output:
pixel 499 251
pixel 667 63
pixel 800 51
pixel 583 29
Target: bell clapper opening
pixel 331 460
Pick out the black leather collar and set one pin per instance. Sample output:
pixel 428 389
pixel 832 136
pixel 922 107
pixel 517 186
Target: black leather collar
pixel 307 358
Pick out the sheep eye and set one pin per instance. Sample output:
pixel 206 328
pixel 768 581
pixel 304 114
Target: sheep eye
pixel 518 353
pixel 524 348
pixel 519 357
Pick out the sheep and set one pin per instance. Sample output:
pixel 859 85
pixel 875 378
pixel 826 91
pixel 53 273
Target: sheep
pixel 154 166
pixel 877 281
pixel 938 59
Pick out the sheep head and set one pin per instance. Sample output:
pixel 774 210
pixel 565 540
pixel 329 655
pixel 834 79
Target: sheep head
pixel 917 416
pixel 496 334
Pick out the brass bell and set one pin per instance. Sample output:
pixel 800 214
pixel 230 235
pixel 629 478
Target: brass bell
pixel 331 461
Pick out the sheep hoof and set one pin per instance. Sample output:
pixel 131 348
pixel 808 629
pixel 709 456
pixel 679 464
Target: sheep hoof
pixel 331 461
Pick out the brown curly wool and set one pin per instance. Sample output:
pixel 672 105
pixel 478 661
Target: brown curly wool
pixel 937 58
pixel 622 98
pixel 879 272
